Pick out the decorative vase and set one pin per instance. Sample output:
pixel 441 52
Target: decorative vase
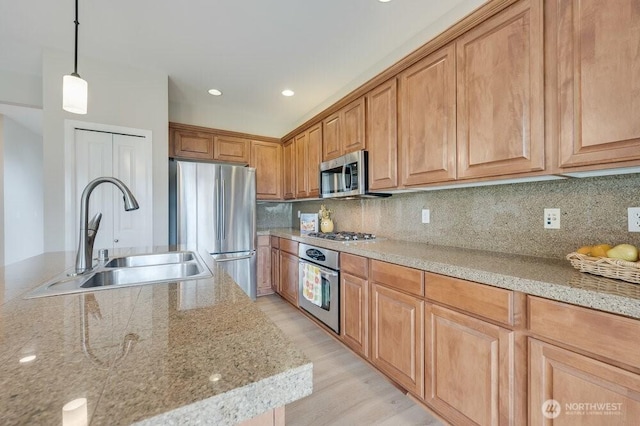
pixel 326 224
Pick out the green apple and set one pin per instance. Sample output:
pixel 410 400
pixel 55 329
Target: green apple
pixel 624 251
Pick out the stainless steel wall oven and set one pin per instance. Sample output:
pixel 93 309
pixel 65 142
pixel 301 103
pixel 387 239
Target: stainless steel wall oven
pixel 319 284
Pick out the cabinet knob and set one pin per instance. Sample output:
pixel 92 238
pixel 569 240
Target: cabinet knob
pixel 116 240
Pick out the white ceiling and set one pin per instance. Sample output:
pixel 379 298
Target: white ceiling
pixel 249 49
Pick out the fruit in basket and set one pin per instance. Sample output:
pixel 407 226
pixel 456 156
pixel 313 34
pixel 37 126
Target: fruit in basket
pixel 585 250
pixel 600 250
pixel 626 252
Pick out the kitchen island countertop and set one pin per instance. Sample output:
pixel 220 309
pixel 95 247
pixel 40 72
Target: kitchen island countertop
pixel 553 279
pixel 178 353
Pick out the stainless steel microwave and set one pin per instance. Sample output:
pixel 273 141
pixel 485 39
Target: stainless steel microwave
pixel 346 177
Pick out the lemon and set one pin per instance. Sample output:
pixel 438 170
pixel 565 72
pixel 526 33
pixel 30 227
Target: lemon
pixel 585 250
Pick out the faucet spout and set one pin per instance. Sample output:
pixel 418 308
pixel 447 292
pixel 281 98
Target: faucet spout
pixel 88 231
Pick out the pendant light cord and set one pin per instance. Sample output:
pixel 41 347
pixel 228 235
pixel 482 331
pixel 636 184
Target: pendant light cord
pixel 75 57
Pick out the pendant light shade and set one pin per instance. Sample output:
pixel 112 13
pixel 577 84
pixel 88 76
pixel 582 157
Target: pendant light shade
pixel 75 90
pixel 74 94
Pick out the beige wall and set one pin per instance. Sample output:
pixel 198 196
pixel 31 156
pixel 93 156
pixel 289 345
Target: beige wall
pixel 118 96
pixel 504 218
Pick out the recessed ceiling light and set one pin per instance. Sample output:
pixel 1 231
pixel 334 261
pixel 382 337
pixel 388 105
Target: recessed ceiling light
pixel 288 92
pixel 384 1
pixel 215 92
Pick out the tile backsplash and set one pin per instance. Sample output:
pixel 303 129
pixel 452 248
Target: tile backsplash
pixel 504 218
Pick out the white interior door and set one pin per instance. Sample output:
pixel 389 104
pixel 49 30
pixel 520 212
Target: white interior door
pixel 124 157
pixel 94 159
pixel 132 165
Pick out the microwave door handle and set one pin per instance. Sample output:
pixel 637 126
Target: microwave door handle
pixel 344 178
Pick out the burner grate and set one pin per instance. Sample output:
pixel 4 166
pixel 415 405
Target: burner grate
pixel 343 236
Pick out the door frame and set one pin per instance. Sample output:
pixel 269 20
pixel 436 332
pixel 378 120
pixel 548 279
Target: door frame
pixel 70 195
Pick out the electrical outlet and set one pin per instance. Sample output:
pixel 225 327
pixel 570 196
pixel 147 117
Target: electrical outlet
pixel 551 218
pixel 426 216
pixel 633 217
pixel 298 214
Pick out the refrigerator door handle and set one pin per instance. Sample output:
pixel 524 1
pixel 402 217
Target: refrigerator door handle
pixel 224 218
pixel 216 206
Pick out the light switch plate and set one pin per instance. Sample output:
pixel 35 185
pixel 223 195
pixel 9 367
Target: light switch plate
pixel 426 216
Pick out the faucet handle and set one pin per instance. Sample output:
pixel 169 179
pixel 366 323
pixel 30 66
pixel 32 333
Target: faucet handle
pixel 94 223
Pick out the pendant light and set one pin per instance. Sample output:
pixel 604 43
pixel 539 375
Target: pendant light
pixel 74 88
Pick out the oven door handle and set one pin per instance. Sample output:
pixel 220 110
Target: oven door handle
pixel 323 271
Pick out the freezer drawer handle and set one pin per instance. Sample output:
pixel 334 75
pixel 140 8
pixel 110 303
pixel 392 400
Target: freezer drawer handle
pixel 232 259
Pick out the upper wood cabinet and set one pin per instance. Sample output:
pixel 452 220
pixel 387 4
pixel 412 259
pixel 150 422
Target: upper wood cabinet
pixel 597 63
pixel 500 84
pixel 266 157
pixel 264 154
pixel 232 149
pixel 191 144
pixel 428 119
pixel 382 135
pixel 289 170
pixel 344 131
pixel 308 152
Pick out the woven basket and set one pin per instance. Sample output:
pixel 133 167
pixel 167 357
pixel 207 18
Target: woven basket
pixel 606 267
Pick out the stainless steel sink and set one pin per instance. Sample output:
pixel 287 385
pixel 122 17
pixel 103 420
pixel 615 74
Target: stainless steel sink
pixel 128 271
pixel 150 259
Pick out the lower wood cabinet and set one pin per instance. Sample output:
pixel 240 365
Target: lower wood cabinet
pixel 574 389
pixel 275 270
pixel 397 339
pixel 469 368
pixel 264 266
pixel 354 313
pixel 289 277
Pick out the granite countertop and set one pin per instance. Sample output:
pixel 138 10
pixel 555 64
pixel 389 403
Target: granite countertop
pixel 192 352
pixel 554 279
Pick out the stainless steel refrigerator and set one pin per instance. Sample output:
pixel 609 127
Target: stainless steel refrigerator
pixel 213 207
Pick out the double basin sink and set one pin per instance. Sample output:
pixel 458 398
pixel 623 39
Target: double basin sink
pixel 129 271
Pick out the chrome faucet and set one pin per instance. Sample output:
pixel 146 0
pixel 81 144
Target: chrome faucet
pixel 88 230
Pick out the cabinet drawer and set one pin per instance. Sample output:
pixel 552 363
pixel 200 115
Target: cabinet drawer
pixel 263 240
pixel 396 276
pixel 600 333
pixel 354 265
pixel 275 242
pixel 492 303
pixel 289 246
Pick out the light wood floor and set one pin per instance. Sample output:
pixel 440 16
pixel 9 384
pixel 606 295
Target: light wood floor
pixel 346 390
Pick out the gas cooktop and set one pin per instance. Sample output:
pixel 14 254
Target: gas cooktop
pixel 343 236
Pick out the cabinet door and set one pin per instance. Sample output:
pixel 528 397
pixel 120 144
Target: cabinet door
pixel 232 149
pixel 300 148
pixel 331 137
pixel 196 145
pixel 289 172
pixel 289 277
pixel 264 266
pixel 353 131
pixel 469 368
pixel 428 119
pixel 314 158
pixel 598 65
pixel 574 389
pixel 382 136
pixel 397 340
pixel 266 157
pixel 275 270
pixel 500 79
pixel 354 313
